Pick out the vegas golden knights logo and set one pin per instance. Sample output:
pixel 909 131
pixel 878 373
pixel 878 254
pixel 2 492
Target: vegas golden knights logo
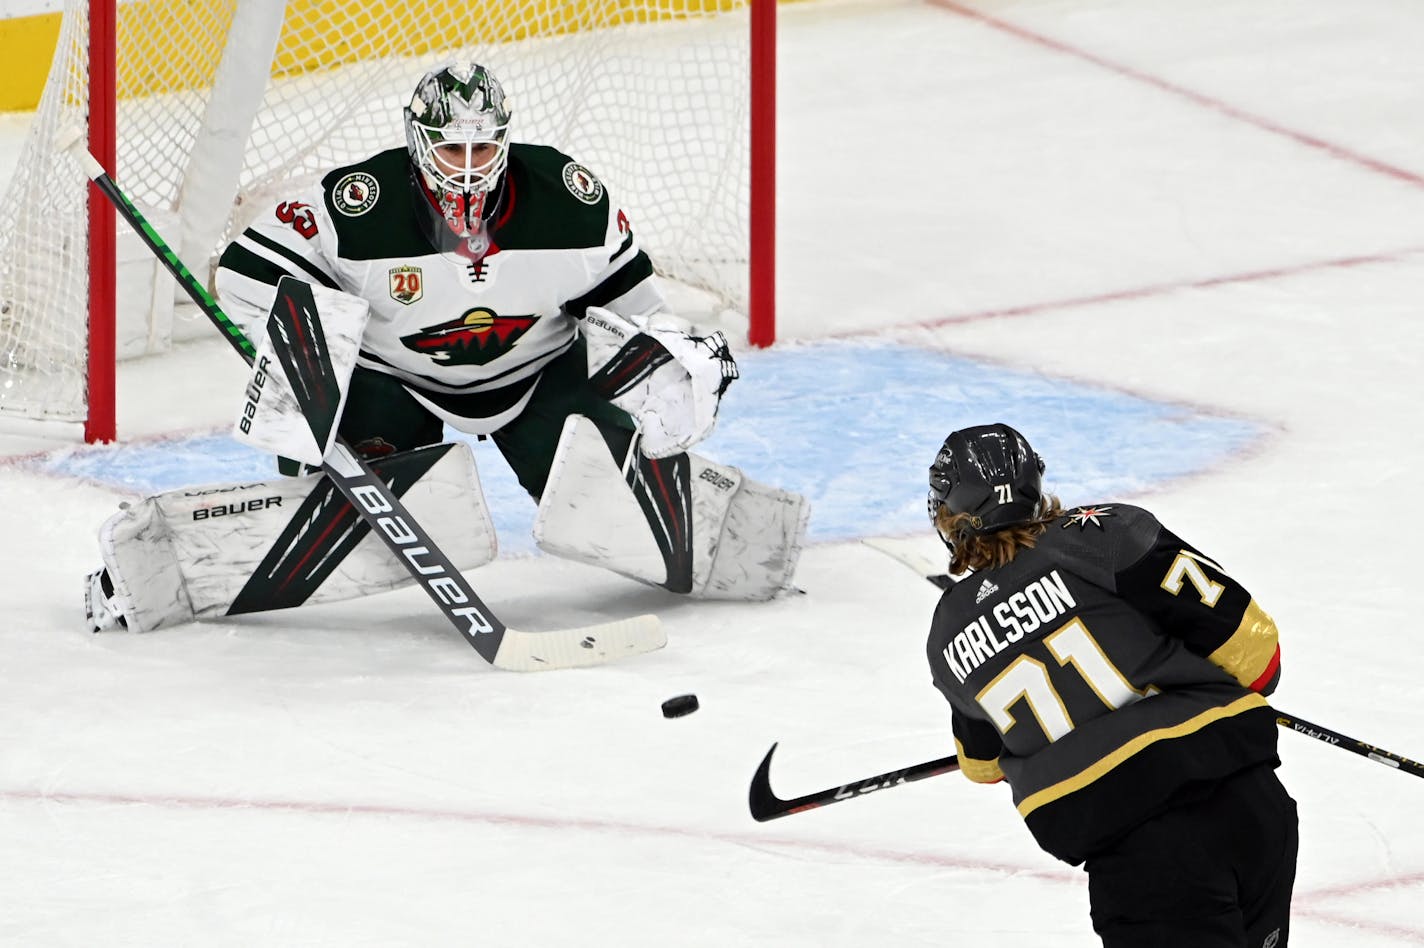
pixel 407 286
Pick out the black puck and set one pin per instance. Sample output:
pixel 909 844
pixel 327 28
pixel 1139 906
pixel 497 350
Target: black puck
pixel 679 705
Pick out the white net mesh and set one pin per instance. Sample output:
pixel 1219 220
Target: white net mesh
pixel 651 94
pixel 43 246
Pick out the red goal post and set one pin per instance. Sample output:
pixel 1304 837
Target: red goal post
pixel 206 109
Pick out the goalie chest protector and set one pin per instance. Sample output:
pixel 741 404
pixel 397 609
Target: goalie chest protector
pixel 448 322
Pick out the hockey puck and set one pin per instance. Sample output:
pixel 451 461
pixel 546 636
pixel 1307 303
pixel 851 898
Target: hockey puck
pixel 679 705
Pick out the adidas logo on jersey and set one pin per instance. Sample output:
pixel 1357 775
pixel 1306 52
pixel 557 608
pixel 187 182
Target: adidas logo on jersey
pixel 985 591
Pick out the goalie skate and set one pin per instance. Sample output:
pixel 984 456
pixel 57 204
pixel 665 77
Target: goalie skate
pixel 102 609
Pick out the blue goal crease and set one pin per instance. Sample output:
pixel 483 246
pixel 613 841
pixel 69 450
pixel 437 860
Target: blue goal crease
pixel 850 425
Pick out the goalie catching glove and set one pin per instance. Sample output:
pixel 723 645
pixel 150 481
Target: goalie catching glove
pixel 669 381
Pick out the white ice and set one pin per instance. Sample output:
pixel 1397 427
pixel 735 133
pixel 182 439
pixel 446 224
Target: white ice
pixel 1216 206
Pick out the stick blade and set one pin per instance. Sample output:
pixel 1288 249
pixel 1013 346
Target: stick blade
pixel 910 551
pixel 580 647
pixel 763 803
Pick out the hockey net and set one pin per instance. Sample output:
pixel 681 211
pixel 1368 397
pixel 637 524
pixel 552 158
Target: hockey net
pixel 221 106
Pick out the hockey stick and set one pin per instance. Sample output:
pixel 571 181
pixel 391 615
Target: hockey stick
pixel 1377 754
pixel 924 566
pixel 386 516
pixel 766 805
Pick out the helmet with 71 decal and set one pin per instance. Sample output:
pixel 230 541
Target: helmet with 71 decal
pixel 989 473
pixel 457 132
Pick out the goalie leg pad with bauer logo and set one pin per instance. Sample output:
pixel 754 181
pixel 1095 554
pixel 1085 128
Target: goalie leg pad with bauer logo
pixel 682 522
pixel 206 552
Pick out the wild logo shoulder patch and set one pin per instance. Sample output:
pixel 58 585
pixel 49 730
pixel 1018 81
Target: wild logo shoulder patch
pixel 1080 517
pixel 582 184
pixel 355 194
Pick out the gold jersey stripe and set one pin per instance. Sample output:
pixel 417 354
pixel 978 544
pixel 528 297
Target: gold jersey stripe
pixel 979 771
pixel 1251 647
pixel 1142 741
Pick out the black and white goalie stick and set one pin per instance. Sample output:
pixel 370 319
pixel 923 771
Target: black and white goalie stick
pixel 766 805
pixel 383 511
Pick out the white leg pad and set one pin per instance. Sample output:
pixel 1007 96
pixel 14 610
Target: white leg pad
pixel 759 543
pixel 213 551
pixel 588 512
pixel 745 536
pixel 137 548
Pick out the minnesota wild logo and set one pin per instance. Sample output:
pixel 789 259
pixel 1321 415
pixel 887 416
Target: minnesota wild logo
pixel 355 194
pixel 581 183
pixel 477 338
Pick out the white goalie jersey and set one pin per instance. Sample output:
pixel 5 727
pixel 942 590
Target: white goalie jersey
pixel 448 325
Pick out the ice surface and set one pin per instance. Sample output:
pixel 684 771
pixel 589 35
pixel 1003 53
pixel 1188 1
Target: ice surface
pixel 1180 245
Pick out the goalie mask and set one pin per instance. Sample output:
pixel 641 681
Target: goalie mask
pixel 457 132
pixel 990 473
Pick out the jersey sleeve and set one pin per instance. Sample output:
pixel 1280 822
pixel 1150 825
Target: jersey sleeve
pixel 978 746
pixel 977 743
pixel 290 239
pixel 625 284
pixel 1192 598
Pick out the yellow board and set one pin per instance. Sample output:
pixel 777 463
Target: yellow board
pixel 27 43
pixel 307 46
pixel 26 48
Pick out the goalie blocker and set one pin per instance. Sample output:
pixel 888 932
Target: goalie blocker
pixel 206 552
pixel 301 372
pixel 681 522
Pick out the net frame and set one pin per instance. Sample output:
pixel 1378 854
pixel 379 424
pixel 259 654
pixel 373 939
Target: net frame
pixel 99 94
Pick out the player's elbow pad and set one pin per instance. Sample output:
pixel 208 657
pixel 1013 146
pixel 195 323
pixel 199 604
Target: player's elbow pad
pixel 978 769
pixel 981 771
pixel 1252 654
pixel 1266 683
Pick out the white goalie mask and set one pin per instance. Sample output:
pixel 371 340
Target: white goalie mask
pixel 457 132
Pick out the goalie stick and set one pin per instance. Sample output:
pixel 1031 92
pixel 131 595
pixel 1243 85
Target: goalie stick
pixel 766 805
pixel 372 498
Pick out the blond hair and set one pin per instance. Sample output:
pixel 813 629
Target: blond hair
pixel 979 551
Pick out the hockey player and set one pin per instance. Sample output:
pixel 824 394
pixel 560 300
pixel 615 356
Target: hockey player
pixel 504 293
pixel 1114 676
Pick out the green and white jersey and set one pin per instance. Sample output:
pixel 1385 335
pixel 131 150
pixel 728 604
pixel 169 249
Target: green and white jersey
pixel 467 336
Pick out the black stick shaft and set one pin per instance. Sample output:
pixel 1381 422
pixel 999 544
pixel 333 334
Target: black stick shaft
pixel 1377 754
pixel 766 805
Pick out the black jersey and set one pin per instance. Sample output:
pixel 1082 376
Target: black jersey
pixel 1104 672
